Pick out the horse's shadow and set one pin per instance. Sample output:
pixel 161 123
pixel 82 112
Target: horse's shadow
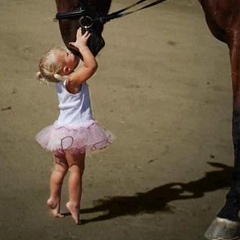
pixel 158 198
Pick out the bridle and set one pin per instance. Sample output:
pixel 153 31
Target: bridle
pixel 86 20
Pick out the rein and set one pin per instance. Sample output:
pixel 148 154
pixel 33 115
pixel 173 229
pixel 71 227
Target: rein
pixel 87 21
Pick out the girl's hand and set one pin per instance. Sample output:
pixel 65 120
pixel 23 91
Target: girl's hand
pixel 81 39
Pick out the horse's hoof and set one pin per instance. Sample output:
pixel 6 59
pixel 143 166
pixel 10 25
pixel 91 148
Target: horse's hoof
pixel 223 229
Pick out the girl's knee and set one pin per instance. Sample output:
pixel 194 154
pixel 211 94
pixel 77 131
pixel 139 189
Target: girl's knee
pixel 61 169
pixel 76 167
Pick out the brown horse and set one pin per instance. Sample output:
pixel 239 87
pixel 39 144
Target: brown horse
pixel 223 19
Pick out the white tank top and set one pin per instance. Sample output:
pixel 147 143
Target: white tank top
pixel 75 109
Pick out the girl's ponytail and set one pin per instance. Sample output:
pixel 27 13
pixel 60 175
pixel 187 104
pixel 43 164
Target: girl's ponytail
pixel 40 78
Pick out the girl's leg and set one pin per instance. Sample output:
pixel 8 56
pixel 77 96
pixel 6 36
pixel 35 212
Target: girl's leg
pixel 56 181
pixel 76 169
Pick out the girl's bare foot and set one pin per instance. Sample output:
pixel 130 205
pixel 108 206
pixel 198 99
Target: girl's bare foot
pixel 54 206
pixel 74 212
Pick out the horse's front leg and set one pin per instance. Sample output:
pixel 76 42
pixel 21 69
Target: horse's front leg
pixel 227 223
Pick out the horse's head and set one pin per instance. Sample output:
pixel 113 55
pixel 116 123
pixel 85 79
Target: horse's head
pixel 68 27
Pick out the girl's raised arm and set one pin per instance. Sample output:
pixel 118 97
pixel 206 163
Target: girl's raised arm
pixel 89 62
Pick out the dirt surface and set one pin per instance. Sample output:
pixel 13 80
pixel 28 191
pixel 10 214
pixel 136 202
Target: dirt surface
pixel 163 88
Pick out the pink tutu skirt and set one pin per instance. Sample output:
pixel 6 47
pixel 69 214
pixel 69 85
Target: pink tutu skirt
pixel 82 139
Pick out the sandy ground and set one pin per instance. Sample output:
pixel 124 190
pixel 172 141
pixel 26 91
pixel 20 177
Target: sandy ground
pixel 163 88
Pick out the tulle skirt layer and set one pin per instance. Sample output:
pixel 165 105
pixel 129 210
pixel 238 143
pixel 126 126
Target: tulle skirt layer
pixel 82 139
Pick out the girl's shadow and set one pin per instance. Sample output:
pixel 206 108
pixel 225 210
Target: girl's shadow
pixel 158 198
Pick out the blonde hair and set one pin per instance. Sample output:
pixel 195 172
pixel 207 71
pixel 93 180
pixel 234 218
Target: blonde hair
pixel 50 66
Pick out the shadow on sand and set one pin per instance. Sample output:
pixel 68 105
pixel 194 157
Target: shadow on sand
pixel 158 198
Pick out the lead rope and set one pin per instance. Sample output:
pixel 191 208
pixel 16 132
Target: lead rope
pixel 120 13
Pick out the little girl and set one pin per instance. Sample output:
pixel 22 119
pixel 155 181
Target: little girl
pixel 75 133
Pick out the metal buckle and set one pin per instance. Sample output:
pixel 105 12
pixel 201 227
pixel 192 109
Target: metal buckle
pixel 86 22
